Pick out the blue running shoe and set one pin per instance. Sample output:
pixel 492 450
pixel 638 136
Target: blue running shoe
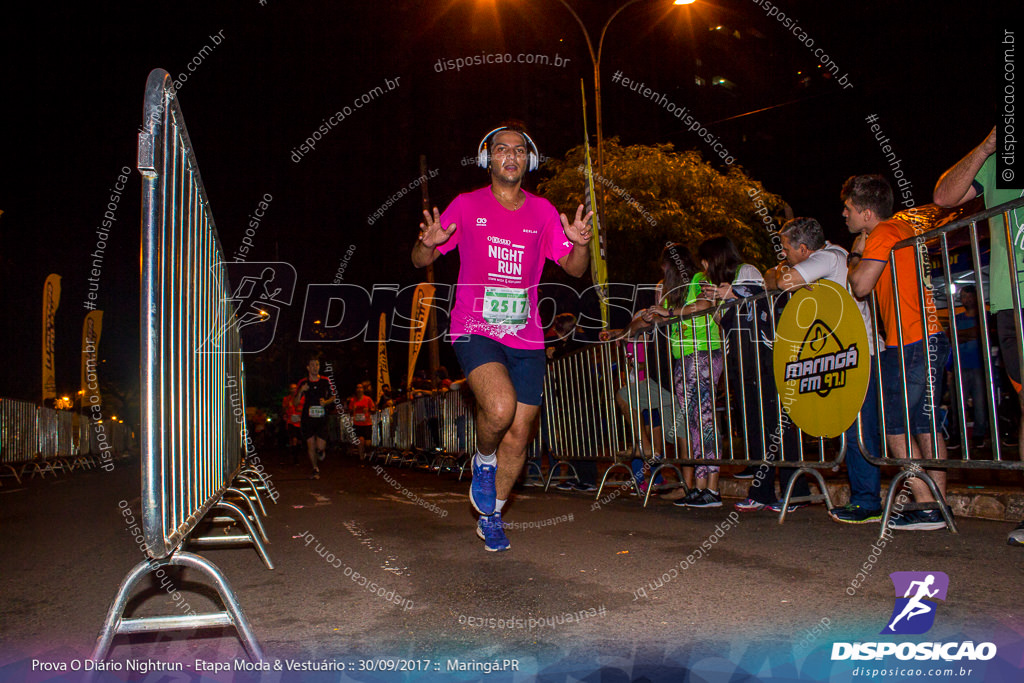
pixel 492 530
pixel 481 491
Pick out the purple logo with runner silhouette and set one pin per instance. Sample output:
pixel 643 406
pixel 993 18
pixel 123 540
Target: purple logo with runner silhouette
pixel 917 596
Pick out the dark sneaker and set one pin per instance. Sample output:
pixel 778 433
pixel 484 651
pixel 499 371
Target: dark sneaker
pixel 749 505
pixel 918 520
pixel 777 507
pixel 747 473
pixel 491 529
pixel 481 491
pixel 855 514
pixel 566 486
pixel 692 496
pixel 315 475
pixel 1016 536
pixel 585 488
pixel 702 498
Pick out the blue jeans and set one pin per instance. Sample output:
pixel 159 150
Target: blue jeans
pixel 924 391
pixel 865 479
pixel 974 388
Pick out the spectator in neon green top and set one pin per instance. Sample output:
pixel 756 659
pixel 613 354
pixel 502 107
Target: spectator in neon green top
pixel 695 343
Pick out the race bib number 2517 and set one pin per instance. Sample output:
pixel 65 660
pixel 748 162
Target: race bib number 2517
pixel 505 306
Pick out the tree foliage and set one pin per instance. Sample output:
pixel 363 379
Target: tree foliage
pixel 654 194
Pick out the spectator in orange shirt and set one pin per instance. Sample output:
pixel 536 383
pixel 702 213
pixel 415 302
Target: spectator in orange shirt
pixel 867 208
pixel 361 407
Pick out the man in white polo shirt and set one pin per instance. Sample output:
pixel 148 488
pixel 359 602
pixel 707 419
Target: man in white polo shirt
pixel 810 257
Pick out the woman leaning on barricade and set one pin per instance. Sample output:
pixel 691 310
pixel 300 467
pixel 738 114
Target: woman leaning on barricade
pixel 749 329
pixel 695 346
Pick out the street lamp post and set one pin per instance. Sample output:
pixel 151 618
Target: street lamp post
pixel 595 58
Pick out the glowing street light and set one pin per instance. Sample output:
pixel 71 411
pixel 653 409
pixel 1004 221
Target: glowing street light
pixel 595 58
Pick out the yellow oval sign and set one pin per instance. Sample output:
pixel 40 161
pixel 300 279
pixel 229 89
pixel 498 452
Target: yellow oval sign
pixel 821 358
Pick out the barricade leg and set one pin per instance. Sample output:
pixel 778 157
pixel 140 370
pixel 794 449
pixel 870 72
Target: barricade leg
pixel 14 472
pixel 36 469
pixel 435 463
pixel 251 537
pixel 534 474
pixel 629 482
pixel 813 498
pixel 655 473
pixel 251 515
pixel 464 466
pixel 249 485
pixel 449 458
pixel 232 614
pixel 555 468
pixel 940 502
pixel 262 484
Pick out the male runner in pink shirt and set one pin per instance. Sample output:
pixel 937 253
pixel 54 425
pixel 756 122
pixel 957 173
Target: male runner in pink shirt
pixel 503 234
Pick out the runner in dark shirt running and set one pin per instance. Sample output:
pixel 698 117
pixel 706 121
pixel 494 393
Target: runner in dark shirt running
pixel 316 390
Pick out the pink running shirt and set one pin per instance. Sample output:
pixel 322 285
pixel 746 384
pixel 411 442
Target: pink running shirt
pixel 501 255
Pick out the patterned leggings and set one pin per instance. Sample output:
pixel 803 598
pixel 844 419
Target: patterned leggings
pixel 695 375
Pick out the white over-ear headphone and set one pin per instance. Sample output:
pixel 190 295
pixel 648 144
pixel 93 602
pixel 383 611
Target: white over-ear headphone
pixel 483 155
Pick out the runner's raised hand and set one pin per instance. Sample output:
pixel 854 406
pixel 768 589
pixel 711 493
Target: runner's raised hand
pixel 579 230
pixel 432 234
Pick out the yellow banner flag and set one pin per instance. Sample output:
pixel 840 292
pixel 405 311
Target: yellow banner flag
pixel 598 265
pixel 383 374
pixel 420 313
pixel 51 299
pixel 92 328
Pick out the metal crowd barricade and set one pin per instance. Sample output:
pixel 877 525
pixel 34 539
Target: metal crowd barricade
pixel 457 430
pixel 588 422
pixel 380 437
pixel 416 435
pixel 80 443
pixel 18 436
pixel 192 442
pixel 597 407
pixel 579 410
pixel 437 431
pixel 962 237
pixel 404 426
pixel 43 440
pixel 50 442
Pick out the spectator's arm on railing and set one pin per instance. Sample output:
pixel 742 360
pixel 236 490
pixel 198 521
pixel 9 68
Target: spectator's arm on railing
pixel 612 335
pixel 863 275
pixel 784 278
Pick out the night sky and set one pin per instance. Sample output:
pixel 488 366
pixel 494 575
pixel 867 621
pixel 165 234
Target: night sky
pixel 74 75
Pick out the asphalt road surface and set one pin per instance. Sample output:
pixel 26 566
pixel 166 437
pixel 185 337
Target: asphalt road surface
pixel 588 591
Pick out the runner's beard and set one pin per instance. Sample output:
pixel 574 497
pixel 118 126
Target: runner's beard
pixel 505 178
